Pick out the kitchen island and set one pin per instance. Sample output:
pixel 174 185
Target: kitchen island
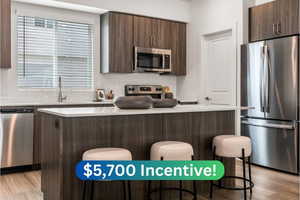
pixel 68 132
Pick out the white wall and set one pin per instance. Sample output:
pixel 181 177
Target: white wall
pixel 208 16
pixel 170 9
pixel 259 2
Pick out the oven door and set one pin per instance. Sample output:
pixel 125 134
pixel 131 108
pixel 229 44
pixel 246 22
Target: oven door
pixel 152 60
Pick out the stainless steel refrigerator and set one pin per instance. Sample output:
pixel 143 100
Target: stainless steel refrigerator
pixel 270 84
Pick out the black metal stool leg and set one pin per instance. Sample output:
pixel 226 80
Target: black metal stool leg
pixel 250 175
pixel 92 190
pixel 220 181
pixel 211 182
pixel 124 190
pixel 194 185
pixel 180 190
pixel 160 185
pixel 244 174
pixel 84 190
pixel 195 190
pixel 149 190
pixel 129 190
pixel 160 190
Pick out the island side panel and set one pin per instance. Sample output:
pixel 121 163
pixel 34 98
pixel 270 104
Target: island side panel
pixel 51 163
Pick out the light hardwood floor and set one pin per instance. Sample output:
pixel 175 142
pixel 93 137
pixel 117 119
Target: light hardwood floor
pixel 269 185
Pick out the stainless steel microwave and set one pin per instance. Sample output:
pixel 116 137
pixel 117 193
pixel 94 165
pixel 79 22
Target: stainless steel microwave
pixel 152 60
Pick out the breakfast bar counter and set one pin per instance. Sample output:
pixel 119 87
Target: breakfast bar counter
pixel 114 111
pixel 68 132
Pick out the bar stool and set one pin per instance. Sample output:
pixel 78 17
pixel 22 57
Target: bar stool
pixel 231 146
pixel 172 150
pixel 100 154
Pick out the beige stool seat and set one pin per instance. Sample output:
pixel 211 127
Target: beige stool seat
pixel 107 154
pixel 231 146
pixel 171 150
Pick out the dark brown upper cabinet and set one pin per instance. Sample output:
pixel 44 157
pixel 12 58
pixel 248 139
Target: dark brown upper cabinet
pixel 116 43
pixel 274 19
pixel 151 33
pixel 287 17
pixel 143 32
pixel 163 34
pixel 121 33
pixel 5 34
pixel 177 39
pixel 262 22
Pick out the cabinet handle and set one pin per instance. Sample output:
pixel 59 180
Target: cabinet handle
pixel 152 41
pixel 274 31
pixel 279 28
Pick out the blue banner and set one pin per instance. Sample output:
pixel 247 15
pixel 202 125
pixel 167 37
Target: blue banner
pixel 149 170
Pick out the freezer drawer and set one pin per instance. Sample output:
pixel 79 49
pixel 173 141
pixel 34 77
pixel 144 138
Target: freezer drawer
pixel 275 144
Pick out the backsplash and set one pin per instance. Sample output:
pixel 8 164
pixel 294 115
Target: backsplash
pixel 115 82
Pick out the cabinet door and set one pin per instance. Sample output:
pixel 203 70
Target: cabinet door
pixel 143 28
pixel 177 38
pixel 152 33
pixel 176 127
pixel 161 30
pixel 287 17
pixel 5 34
pixel 262 22
pixel 121 43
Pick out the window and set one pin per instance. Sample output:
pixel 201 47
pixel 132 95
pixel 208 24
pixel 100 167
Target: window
pixel 47 49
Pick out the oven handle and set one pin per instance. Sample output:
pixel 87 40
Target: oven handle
pixel 268 125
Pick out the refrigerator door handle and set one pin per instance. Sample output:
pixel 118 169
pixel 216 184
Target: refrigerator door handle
pixel 269 125
pixel 267 66
pixel 261 85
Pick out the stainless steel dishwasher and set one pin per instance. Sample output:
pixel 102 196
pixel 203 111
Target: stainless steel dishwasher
pixel 17 137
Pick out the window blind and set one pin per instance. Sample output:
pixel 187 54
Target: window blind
pixel 47 49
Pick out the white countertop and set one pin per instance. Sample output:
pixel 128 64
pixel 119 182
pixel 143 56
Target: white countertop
pixel 112 111
pixel 54 103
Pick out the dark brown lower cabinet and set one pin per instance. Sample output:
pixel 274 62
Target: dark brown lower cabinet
pixel 64 140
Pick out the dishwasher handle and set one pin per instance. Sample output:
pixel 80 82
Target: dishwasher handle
pixel 16 110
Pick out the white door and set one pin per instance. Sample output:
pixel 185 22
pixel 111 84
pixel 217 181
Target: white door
pixel 220 68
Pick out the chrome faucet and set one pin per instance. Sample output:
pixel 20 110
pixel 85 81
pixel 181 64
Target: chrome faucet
pixel 61 98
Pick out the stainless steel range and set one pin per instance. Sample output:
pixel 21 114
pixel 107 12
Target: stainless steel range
pixel 155 91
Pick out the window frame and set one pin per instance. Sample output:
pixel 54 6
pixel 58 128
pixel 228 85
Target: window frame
pixel 23 9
